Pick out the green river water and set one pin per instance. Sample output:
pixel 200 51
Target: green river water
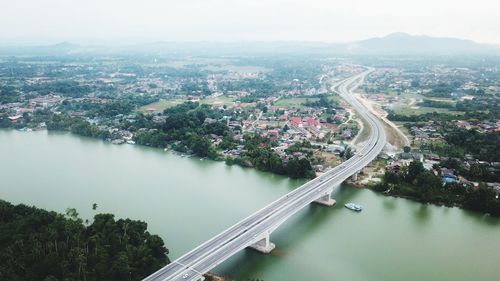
pixel 187 200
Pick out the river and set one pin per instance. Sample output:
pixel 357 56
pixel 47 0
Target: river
pixel 187 200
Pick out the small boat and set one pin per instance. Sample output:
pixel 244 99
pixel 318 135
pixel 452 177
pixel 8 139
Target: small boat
pixel 354 207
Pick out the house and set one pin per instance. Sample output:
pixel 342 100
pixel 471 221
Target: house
pixel 395 167
pixel 347 133
pixel 336 149
pixel 464 125
pixel 448 175
pixel 273 132
pixel 296 122
pixel 312 122
pixel 15 118
pixel 318 168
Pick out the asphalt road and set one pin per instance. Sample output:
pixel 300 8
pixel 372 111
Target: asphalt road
pixel 207 256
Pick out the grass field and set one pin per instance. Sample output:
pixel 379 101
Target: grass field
pixel 164 104
pixel 294 102
pixel 159 105
pixel 417 110
pixel 297 102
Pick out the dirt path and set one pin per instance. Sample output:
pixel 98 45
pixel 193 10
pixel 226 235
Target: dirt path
pixel 394 135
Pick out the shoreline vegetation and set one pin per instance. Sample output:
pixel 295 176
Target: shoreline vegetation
pixel 190 128
pixel 36 244
pixel 417 184
pixel 196 129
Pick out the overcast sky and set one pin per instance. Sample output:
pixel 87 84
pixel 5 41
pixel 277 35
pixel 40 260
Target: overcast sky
pixel 244 20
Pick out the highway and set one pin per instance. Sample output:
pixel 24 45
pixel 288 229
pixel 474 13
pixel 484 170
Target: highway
pixel 192 265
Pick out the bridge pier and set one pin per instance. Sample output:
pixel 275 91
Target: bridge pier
pixel 264 245
pixel 354 177
pixel 325 198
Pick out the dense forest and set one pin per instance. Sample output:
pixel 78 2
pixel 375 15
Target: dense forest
pixel 40 245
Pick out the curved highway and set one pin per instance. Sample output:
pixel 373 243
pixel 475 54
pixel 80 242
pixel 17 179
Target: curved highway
pixel 248 231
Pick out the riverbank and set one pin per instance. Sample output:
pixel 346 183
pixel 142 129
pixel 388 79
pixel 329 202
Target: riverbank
pixel 482 199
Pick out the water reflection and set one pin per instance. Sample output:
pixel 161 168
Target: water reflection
pixel 422 213
pixel 389 205
pixel 483 218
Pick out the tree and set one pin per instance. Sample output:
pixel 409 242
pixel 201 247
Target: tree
pixel 481 199
pixel 348 153
pixel 299 168
pixel 436 167
pixel 414 169
pixel 39 245
pixel 391 177
pixel 72 213
pixel 427 181
pixel 406 149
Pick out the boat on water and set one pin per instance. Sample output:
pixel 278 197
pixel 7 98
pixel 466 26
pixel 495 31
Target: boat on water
pixel 354 207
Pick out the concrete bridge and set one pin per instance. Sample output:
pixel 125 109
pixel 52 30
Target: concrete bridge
pixel 255 230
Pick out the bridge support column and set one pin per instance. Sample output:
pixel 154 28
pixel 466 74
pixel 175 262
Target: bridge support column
pixel 264 245
pixel 354 177
pixel 326 199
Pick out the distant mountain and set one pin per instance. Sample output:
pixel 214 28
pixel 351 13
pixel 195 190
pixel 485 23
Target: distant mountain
pixel 400 44
pixel 406 44
pixel 63 48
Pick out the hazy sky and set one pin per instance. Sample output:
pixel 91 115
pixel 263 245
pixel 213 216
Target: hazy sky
pixel 245 20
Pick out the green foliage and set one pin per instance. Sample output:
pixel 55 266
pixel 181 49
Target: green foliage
pixel 299 168
pixel 414 169
pixel 261 156
pixel 322 102
pixel 406 149
pixel 65 87
pixel 483 200
pixel 347 153
pixel 39 245
pixel 8 94
pixel 185 128
pixel 422 117
pixel 419 184
pixel 442 90
pixel 484 146
pixel 78 126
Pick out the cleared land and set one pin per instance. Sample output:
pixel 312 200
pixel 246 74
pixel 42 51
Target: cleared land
pixel 164 104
